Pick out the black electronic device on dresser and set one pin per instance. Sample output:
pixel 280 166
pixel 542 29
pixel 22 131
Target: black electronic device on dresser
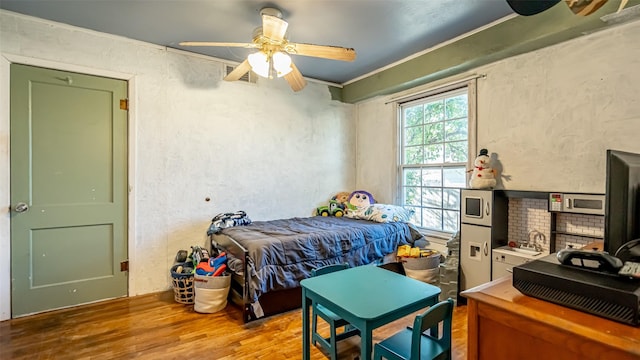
pixel 583 280
pixel 622 205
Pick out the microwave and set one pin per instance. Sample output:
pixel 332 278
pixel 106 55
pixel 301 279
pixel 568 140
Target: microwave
pixel 577 203
pixel 476 207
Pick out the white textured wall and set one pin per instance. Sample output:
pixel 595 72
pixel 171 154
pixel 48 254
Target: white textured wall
pixel 548 116
pixel 260 148
pixel 377 156
pixel 551 115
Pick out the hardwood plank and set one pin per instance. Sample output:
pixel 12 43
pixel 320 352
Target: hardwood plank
pixel 154 326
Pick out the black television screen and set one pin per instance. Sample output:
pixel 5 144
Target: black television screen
pixel 622 216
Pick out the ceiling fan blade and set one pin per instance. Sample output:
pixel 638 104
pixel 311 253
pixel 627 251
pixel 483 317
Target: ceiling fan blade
pixel 623 3
pixel 273 27
pixel 211 43
pixel 322 51
pixel 239 71
pixel 295 79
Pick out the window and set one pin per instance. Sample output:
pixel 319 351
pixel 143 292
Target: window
pixel 434 153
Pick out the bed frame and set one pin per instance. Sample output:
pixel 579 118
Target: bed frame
pixel 273 302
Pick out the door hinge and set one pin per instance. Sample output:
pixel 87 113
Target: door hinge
pixel 124 104
pixel 124 266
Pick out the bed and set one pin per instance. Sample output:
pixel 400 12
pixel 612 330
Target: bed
pixel 268 259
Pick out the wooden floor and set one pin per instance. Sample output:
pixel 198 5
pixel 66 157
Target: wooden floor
pixel 156 327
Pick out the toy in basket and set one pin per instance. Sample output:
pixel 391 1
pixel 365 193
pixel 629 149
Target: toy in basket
pixel 182 279
pixel 212 284
pixel 420 264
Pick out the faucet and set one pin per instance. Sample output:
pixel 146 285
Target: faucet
pixel 537 237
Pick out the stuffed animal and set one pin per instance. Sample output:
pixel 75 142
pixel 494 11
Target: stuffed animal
pixel 342 198
pixel 360 199
pixel 482 175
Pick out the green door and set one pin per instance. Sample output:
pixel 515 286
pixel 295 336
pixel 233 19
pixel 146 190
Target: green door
pixel 68 189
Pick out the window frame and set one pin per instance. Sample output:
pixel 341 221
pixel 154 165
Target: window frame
pixel 422 97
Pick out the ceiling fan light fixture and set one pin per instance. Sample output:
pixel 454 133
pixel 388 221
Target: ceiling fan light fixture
pixel 269 66
pixel 259 62
pixel 281 63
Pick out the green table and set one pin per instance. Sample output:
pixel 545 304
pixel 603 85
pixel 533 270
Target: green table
pixel 366 296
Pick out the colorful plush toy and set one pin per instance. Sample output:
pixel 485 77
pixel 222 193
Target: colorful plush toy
pixel 360 199
pixel 482 175
pixel 213 266
pixel 342 198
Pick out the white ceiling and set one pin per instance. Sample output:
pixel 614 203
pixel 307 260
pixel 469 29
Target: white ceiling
pixel 381 31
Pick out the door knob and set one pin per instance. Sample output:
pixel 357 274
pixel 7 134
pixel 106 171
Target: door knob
pixel 21 207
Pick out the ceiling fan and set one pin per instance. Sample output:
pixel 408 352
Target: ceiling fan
pixel 578 7
pixel 272 58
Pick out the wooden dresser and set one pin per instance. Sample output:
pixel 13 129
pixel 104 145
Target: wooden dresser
pixel 505 324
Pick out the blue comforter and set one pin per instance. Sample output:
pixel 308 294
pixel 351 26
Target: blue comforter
pixel 283 252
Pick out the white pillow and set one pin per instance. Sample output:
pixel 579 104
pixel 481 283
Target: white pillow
pixel 382 213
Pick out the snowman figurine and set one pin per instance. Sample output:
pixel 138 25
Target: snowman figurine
pixel 482 175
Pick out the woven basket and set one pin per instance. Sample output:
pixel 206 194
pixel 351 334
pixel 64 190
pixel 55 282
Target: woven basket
pixel 183 291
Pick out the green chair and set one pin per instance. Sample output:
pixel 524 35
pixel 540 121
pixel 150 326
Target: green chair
pixel 415 344
pixel 334 321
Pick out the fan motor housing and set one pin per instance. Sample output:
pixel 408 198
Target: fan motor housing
pixel 271 12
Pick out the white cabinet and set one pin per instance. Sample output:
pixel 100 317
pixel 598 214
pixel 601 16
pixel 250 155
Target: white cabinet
pixel 475 255
pixel 505 258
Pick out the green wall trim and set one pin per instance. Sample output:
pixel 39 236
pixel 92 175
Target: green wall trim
pixel 336 93
pixel 515 36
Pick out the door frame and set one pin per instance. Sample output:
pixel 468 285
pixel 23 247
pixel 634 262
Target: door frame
pixel 6 59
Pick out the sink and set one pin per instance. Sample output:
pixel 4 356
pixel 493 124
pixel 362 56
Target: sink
pixel 520 251
pixel 526 251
